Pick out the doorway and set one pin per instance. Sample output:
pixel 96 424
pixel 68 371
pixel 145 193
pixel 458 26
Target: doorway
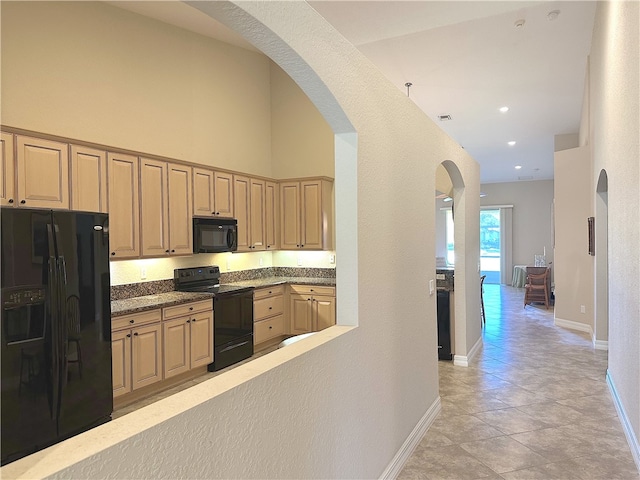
pixel 490 245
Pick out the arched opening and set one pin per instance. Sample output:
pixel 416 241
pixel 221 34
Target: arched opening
pixel 449 246
pixel 601 281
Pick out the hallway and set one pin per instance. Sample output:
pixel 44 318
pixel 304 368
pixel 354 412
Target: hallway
pixel 534 405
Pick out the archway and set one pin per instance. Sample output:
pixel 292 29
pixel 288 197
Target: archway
pixel 601 280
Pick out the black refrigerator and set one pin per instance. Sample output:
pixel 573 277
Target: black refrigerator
pixel 56 327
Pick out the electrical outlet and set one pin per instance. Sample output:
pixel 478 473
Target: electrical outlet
pixel 261 261
pixel 583 309
pixel 143 273
pixel 228 264
pixel 299 261
pixel 332 259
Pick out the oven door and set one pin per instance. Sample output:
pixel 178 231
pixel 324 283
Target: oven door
pixel 233 328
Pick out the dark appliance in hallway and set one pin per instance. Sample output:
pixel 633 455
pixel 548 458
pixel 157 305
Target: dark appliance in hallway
pixel 444 325
pixel 56 327
pixel 232 313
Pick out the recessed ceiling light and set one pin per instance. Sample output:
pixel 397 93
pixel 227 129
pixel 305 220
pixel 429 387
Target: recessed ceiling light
pixel 511 143
pixel 447 199
pixel 504 109
pixel 482 194
pixel 518 167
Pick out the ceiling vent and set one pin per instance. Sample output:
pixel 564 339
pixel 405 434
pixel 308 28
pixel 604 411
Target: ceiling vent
pixel 526 177
pixel 444 118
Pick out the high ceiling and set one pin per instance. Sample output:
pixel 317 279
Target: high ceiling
pixel 464 59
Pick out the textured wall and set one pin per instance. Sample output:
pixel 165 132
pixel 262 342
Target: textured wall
pixel 343 409
pixel 615 143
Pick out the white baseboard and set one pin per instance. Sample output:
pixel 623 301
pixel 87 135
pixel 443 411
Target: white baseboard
pixel 465 361
pixel 581 327
pixel 626 424
pixel 413 440
pixel 600 344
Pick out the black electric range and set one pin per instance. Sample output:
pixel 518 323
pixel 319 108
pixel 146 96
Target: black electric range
pixel 232 313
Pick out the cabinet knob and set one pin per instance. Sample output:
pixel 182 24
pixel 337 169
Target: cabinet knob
pixel 166 251
pixel 301 245
pixel 268 246
pixel 132 321
pixel 135 334
pixel 11 200
pixel 270 308
pixel 189 321
pixel 193 320
pixel 113 253
pixel 23 202
pixel 213 213
pixel 173 251
pixel 311 289
pixel 308 299
pixel 298 246
pixel 217 213
pixel 190 308
pixel 128 335
pixel 270 327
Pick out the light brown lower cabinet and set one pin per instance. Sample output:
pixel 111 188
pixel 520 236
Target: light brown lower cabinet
pixel 311 308
pixel 188 339
pixel 155 345
pixel 136 351
pixel 268 314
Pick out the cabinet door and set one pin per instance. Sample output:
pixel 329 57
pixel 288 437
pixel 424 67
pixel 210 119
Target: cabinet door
pixel 271 216
pixel 300 312
pixel 289 215
pixel 257 214
pixel 7 176
pixel 154 208
pixel 121 362
pixel 324 312
pixel 311 215
pixel 146 353
pixel 43 173
pixel 177 346
pixel 203 199
pixel 88 179
pixel 223 194
pixel 124 212
pixel 180 224
pixel 241 205
pixel 201 339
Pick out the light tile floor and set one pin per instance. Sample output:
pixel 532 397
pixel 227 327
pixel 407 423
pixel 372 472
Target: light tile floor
pixel 534 405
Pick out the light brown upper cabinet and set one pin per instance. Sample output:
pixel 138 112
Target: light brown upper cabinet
pixel 257 215
pixel 124 206
pixel 88 179
pixel 305 214
pixel 7 177
pixel 241 207
pixel 165 208
pixel 212 193
pixel 271 216
pixel 43 173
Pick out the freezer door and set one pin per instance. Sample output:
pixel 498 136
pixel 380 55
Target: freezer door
pixel 27 416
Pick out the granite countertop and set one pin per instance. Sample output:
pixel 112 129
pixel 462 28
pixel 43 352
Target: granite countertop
pixel 149 302
pixel 160 300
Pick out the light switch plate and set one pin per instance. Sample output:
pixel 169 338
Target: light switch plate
pixel 440 276
pixel 431 289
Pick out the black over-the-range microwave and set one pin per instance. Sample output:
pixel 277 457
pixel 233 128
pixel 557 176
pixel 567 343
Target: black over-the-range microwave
pixel 214 235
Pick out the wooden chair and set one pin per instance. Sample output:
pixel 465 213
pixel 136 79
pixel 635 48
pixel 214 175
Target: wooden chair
pixel 483 318
pixel 537 288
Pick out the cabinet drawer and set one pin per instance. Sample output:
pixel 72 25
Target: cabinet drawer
pixel 268 329
pixel 313 290
pixel 267 292
pixel 135 319
pixel 268 307
pixel 186 309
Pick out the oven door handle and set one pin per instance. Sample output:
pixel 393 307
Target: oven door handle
pixel 237 345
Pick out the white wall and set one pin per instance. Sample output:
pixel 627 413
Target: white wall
pixel 344 409
pixel 532 217
pixel 614 120
pixel 573 267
